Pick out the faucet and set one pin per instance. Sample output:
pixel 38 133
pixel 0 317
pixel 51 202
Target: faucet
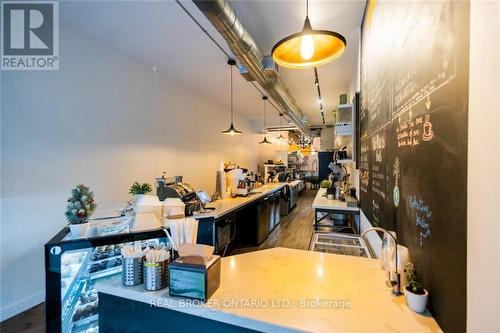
pixel 394 284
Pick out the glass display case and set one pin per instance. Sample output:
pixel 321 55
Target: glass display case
pixel 74 265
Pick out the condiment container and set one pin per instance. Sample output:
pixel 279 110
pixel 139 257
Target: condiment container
pixel 155 275
pixel 132 271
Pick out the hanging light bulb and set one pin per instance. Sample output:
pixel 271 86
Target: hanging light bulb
pixel 231 130
pixel 308 48
pixel 265 141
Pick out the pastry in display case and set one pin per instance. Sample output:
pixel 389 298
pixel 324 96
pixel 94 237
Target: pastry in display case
pixel 74 266
pixel 86 266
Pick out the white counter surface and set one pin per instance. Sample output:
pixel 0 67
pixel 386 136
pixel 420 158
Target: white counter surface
pixel 322 202
pixel 285 290
pixel 295 183
pixel 225 206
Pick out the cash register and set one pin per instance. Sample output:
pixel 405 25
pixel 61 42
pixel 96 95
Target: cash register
pixel 174 188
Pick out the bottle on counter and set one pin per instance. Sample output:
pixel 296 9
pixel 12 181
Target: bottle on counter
pixel 388 252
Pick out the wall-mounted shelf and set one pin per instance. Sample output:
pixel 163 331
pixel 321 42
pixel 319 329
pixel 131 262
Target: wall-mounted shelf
pixel 343 128
pixel 344 106
pixel 345 131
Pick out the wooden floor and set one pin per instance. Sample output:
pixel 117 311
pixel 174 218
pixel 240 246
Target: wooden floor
pixel 294 231
pixel 32 321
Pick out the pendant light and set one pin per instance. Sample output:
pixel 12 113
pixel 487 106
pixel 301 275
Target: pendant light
pixel 264 141
pixel 231 130
pixel 308 48
pixel 281 137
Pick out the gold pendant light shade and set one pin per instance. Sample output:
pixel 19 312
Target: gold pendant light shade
pixel 308 48
pixel 328 46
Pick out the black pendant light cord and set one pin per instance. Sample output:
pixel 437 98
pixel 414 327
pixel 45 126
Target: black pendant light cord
pixel 265 118
pixel 307 8
pixel 262 93
pixel 229 56
pixel 203 29
pixel 265 114
pixel 232 109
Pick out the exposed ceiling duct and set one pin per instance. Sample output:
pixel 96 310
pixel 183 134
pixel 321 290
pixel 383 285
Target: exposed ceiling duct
pixel 223 17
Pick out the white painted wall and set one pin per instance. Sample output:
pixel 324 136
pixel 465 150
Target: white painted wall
pixel 104 120
pixel 270 152
pixel 483 227
pixel 372 237
pixel 356 72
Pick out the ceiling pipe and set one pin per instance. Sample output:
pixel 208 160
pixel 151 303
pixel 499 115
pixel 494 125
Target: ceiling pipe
pixel 223 17
pixel 291 128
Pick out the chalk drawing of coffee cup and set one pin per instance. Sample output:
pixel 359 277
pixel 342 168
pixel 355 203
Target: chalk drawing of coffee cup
pixel 428 132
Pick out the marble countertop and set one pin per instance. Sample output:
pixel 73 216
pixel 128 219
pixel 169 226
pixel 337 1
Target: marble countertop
pixel 286 290
pixel 228 205
pixel 323 203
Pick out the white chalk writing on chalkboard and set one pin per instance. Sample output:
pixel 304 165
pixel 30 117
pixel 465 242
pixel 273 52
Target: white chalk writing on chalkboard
pixel 376 210
pixel 428 132
pixel 365 180
pixel 428 67
pixel 421 214
pixel 364 166
pixel 378 144
pixel 412 132
pixel 433 85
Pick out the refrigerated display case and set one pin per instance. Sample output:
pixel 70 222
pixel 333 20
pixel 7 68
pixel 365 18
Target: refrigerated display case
pixel 72 267
pixel 338 243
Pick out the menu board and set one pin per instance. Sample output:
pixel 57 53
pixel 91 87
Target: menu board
pixel 413 132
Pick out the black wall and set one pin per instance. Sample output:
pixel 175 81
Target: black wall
pixel 413 148
pixel 324 158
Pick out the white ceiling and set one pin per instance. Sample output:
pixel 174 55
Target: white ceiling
pixel 161 35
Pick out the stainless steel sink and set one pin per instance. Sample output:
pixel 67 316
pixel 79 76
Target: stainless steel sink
pixel 342 244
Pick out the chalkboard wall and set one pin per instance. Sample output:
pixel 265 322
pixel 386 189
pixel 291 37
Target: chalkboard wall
pixel 413 148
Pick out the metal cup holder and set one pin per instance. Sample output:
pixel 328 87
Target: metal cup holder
pixel 132 271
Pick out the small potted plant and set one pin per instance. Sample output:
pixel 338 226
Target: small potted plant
pixel 416 295
pixel 80 207
pixel 139 190
pixel 141 194
pixel 144 206
pixel 324 184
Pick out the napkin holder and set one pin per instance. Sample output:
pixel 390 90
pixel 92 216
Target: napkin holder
pixel 192 277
